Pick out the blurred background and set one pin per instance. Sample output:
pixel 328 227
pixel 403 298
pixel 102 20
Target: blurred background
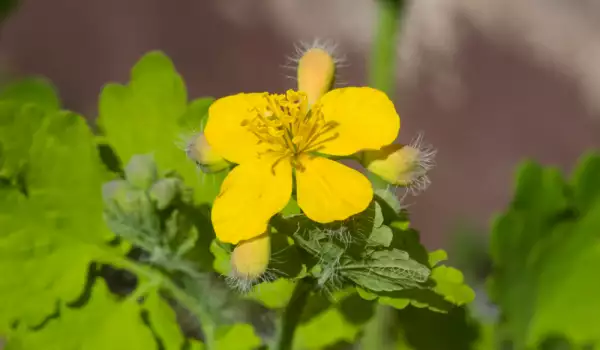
pixel 489 82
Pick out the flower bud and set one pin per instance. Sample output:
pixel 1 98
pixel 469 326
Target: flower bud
pixel 316 73
pixel 249 260
pixel 164 191
pixel 205 157
pixel 127 198
pixel 402 165
pixel 141 171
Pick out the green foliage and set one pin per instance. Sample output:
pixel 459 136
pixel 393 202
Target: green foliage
pixel 106 323
pixel 80 212
pixel 53 235
pixel 149 116
pixel 544 249
pixel 56 207
pixel 455 330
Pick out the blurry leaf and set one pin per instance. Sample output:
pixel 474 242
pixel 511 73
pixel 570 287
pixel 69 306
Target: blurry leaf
pixel 52 226
pixel 327 328
pixel 382 236
pixel 378 219
pixel 240 336
pixel 274 295
pixel 545 250
pixel 37 91
pixel 450 283
pixel 18 126
pixel 454 330
pixel 221 263
pixel 585 181
pixel 150 115
pixel 437 256
pixel 105 322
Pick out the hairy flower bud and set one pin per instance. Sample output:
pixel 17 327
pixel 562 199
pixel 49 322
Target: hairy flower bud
pixel 249 261
pixel 205 157
pixel 316 73
pixel 402 165
pixel 141 171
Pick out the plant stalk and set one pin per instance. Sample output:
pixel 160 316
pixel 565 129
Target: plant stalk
pixel 382 66
pixel 292 313
pixel 382 77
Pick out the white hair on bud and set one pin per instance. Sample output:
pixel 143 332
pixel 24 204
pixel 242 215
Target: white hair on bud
pixel 329 46
pixel 244 284
pixel 424 162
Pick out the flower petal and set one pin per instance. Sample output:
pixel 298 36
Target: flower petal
pixel 224 131
pixel 250 195
pixel 330 191
pixel 366 119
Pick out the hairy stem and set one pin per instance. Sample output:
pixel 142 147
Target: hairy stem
pixel 292 313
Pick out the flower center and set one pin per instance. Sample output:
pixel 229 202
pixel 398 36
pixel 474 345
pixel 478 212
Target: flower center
pixel 286 124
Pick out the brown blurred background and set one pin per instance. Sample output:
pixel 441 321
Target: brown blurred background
pixel 489 82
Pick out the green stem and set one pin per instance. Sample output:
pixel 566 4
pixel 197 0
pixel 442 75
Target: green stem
pixel 383 56
pixel 382 76
pixel 376 334
pixel 292 313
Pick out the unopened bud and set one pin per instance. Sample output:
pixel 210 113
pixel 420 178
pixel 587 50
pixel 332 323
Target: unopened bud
pixel 141 171
pixel 127 198
pixel 316 73
pixel 205 157
pixel 249 261
pixel 402 165
pixel 164 191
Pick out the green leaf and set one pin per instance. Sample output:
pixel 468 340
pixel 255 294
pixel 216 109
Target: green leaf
pixel 324 329
pixel 545 251
pixel 105 322
pixel 381 236
pixel 18 126
pixel 238 336
pixel 387 270
pixel 274 295
pixel 150 115
pixel 36 91
pixel 450 284
pixel 585 181
pixel 455 330
pixel 52 226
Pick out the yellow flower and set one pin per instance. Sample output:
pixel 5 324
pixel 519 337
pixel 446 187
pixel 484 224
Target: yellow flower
pixel 278 138
pixel 273 136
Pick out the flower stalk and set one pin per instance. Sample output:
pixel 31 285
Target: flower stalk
pixel 292 314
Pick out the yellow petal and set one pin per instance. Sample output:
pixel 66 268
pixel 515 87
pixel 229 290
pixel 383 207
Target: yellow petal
pixel 330 191
pixel 366 119
pixel 224 131
pixel 250 195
